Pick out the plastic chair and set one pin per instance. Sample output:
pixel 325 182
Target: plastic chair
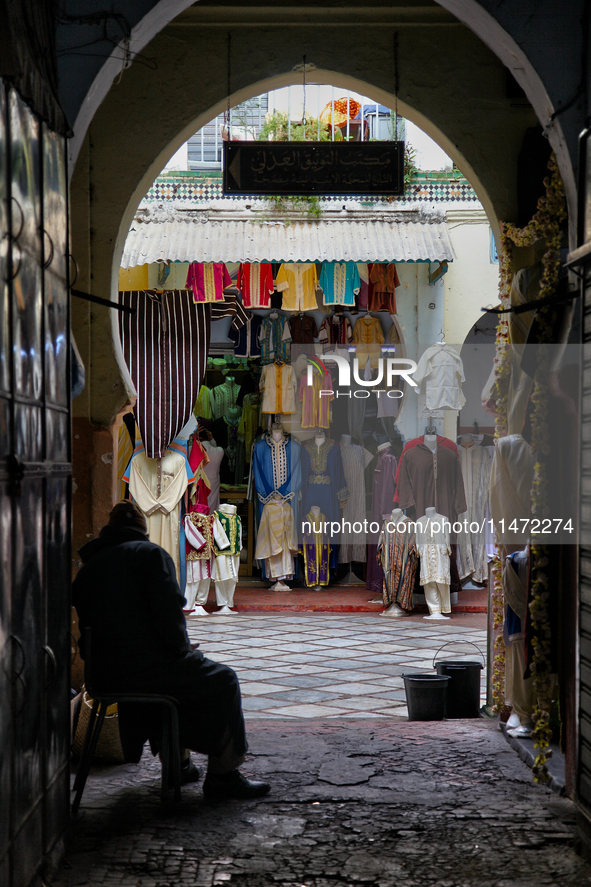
pixel 102 699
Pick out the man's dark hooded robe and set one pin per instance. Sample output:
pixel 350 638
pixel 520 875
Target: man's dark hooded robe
pixel 127 593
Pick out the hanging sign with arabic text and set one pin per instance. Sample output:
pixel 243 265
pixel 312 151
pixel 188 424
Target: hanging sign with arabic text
pixel 292 168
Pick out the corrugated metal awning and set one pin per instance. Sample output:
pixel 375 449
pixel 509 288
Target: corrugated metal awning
pixel 199 238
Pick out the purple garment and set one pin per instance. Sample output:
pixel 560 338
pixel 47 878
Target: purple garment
pixel 384 484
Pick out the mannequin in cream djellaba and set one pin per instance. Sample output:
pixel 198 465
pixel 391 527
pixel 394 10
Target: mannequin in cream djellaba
pixel 434 552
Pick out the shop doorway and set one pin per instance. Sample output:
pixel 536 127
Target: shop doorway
pixel 241 341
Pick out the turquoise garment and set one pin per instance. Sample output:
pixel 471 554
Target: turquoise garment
pixel 273 345
pixel 339 281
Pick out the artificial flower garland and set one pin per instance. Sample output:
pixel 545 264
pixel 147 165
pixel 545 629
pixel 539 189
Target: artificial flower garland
pixel 546 224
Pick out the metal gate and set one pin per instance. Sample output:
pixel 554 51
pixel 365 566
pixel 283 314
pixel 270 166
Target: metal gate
pixel 35 492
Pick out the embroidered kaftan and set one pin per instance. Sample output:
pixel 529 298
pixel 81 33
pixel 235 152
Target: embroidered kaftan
pixel 278 385
pixel 227 557
pixel 316 550
pixel 316 412
pixel 208 280
pixel 276 467
pixel 255 282
pixel 297 281
pixel 355 461
pixel 339 281
pixel 398 557
pixel 368 337
pixel 434 549
pixel 224 396
pixel 275 339
pixel 157 486
pixel 323 480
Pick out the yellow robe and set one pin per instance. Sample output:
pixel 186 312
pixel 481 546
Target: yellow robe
pixel 297 281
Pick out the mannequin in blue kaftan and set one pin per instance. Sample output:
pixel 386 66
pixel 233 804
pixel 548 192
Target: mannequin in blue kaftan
pixel 276 469
pixel 323 482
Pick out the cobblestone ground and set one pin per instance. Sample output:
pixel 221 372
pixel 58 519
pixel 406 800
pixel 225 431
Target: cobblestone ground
pixel 376 803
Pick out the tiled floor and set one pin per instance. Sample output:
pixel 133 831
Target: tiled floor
pixel 326 665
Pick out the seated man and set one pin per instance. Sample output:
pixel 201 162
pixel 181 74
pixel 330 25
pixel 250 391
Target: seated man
pixel 127 593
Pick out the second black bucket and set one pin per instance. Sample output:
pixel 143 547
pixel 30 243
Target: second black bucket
pixel 425 696
pixel 463 694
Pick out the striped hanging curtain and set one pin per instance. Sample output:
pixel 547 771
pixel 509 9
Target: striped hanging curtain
pixel 165 348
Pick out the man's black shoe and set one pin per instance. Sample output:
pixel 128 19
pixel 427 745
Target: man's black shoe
pixel 233 785
pixel 192 773
pixel 189 773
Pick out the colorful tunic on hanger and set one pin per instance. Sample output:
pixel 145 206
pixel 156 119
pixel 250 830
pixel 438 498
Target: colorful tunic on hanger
pixel 336 330
pixel 208 280
pixel 368 337
pixel 384 280
pixel 255 282
pixel 303 330
pixel 275 339
pixel 323 480
pixel 203 405
pixel 398 558
pixel 440 373
pixel 278 385
pixel 339 281
pixel 316 408
pixel 315 549
pixel 297 281
pixel 247 338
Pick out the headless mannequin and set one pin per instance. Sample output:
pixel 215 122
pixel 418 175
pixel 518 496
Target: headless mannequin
pixel 277 435
pixel 431 442
pixel 394 609
pixel 320 438
pixel 436 593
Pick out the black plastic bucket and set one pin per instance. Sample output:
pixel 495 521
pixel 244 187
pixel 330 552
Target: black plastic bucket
pixel 463 694
pixel 425 696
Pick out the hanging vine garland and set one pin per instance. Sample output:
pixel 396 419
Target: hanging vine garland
pixel 500 391
pixel 546 224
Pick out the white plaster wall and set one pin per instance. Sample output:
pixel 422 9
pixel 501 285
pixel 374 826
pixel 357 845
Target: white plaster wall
pixel 471 283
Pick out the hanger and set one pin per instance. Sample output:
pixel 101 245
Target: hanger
pixel 430 428
pixel 441 337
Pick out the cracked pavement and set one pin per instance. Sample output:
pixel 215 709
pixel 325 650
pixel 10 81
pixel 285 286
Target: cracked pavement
pixel 373 802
